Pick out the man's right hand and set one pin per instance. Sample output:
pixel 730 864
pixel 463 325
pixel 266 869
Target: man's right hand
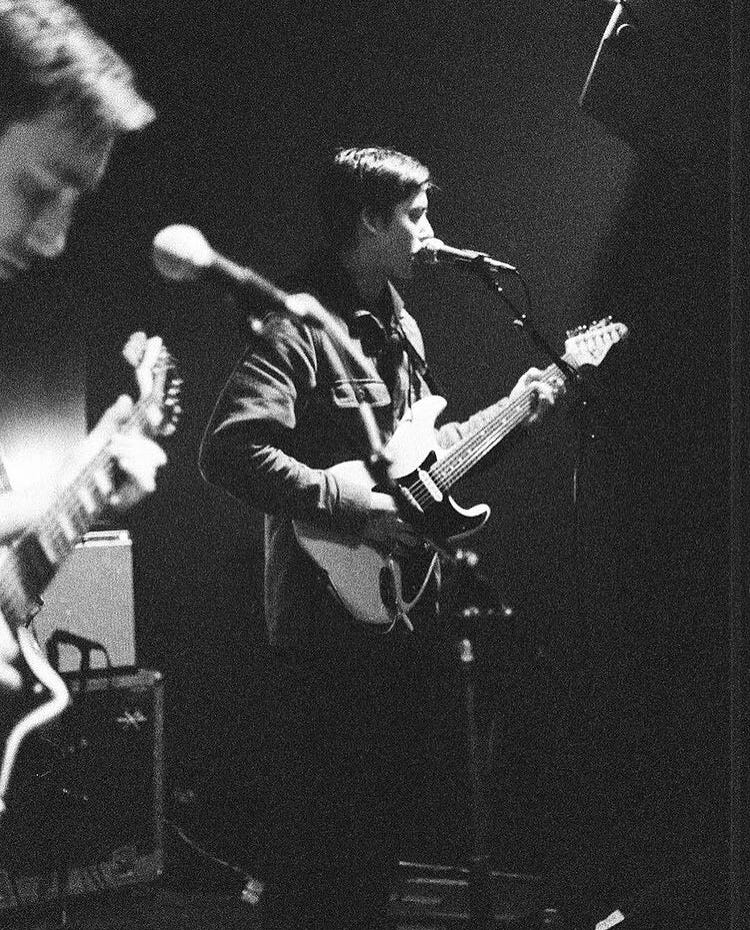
pixel 385 527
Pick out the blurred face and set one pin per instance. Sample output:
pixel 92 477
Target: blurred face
pixel 402 236
pixel 45 167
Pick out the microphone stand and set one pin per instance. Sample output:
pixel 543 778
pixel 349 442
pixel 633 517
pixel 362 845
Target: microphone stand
pixel 489 276
pixel 72 800
pixel 584 411
pixel 472 601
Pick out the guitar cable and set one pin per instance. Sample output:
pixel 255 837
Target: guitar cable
pixel 252 887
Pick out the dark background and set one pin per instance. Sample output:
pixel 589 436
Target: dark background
pixel 611 694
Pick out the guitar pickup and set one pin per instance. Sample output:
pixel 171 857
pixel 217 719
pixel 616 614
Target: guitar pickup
pixel 432 489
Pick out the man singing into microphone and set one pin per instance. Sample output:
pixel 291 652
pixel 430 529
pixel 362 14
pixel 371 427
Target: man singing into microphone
pixel 339 718
pixel 65 97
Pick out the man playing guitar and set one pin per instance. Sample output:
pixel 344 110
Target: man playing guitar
pixel 284 424
pixel 66 97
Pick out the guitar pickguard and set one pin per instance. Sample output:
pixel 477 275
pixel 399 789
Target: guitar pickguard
pixel 377 588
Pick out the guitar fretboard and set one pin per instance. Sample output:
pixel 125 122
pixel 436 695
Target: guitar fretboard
pixel 470 451
pixel 30 564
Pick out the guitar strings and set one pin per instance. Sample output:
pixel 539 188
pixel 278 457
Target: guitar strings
pixel 69 500
pixel 457 463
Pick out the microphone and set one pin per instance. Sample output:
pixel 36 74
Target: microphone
pixel 181 253
pixel 435 251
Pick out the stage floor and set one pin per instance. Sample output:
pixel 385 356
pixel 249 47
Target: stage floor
pixel 427 898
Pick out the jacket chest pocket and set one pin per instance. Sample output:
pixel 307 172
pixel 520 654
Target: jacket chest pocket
pixel 333 430
pixel 345 395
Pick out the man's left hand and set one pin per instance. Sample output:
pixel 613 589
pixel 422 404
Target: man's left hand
pixel 543 394
pixel 137 457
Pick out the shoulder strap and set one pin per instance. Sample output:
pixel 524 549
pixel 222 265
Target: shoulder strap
pixel 420 365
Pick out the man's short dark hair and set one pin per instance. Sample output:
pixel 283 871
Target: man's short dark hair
pixel 356 178
pixel 51 58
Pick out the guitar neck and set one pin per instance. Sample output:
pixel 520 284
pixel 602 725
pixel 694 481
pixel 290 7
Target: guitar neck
pixel 466 454
pixel 30 564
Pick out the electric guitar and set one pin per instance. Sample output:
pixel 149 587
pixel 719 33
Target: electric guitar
pixel 30 563
pixel 377 587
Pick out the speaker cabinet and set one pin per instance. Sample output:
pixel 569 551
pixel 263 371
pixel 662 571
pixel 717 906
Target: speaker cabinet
pixel 86 800
pixel 92 596
pixel 439 897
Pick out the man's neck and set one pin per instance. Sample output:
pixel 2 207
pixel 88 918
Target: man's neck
pixel 370 281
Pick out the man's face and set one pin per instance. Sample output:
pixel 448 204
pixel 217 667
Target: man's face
pixel 46 164
pixel 402 236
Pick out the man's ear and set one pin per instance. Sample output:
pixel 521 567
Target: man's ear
pixel 371 220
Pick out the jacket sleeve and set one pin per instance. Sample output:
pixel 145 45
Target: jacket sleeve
pixel 246 445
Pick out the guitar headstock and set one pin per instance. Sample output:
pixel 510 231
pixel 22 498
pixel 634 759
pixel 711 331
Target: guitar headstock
pixel 158 382
pixel 588 345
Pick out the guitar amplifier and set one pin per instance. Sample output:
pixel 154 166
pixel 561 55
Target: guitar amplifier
pixel 86 795
pixel 439 897
pixel 92 596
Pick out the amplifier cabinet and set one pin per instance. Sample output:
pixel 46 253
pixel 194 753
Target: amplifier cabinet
pixel 86 798
pixel 438 897
pixel 92 596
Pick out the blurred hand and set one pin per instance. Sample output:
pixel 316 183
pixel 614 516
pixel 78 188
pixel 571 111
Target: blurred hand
pixel 543 395
pixel 142 354
pixel 137 457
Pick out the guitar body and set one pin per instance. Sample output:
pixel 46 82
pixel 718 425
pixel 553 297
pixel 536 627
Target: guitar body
pixel 377 587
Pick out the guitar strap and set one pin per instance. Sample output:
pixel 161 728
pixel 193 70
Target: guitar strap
pixel 420 365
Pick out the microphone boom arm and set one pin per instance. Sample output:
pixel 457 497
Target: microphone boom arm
pixel 521 321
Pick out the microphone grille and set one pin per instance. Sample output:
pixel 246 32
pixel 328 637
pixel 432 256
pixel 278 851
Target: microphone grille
pixel 429 251
pixel 181 253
